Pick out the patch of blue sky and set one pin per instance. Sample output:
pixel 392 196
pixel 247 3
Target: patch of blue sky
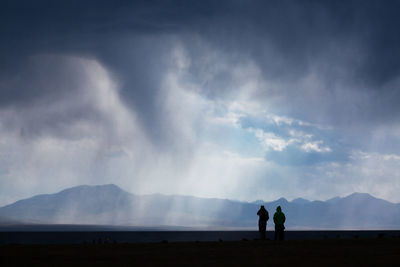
pixel 295 156
pixel 265 124
pixel 293 142
pixel 235 139
pixel 284 129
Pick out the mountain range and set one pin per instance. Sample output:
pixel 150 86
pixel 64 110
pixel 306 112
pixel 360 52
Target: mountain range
pixel 110 205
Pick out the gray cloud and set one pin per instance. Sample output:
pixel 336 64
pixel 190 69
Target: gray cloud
pixel 346 47
pixel 330 63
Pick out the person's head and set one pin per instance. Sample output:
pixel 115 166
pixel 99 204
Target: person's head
pixel 278 209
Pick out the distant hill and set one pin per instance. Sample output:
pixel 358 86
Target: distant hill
pixel 300 201
pixel 110 205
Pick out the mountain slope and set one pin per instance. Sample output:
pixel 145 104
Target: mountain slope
pixel 109 204
pixel 74 205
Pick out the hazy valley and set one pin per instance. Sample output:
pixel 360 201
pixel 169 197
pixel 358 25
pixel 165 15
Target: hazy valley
pixel 110 205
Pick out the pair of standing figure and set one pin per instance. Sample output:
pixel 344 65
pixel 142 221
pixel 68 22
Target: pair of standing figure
pixel 279 220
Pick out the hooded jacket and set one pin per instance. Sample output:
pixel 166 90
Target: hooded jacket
pixel 279 216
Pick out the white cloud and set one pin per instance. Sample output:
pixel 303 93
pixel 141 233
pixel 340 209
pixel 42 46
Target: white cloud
pixel 315 146
pixel 271 141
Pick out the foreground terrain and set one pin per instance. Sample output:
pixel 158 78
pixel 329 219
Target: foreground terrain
pixel 380 251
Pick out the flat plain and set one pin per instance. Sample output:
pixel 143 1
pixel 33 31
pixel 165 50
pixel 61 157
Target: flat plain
pixel 331 252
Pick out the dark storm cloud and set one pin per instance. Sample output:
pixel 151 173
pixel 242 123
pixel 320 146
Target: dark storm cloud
pixel 349 46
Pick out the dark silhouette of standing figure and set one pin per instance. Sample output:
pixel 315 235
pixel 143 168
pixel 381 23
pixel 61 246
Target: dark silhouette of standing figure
pixel 279 220
pixel 262 221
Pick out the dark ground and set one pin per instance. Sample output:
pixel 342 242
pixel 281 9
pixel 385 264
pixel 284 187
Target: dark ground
pixel 340 252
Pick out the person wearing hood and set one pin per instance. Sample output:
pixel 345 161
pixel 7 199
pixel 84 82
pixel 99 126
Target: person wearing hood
pixel 262 221
pixel 279 220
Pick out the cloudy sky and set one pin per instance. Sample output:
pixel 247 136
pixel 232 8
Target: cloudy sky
pixel 233 99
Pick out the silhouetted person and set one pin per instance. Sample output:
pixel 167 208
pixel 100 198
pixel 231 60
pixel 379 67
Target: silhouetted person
pixel 262 221
pixel 279 220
